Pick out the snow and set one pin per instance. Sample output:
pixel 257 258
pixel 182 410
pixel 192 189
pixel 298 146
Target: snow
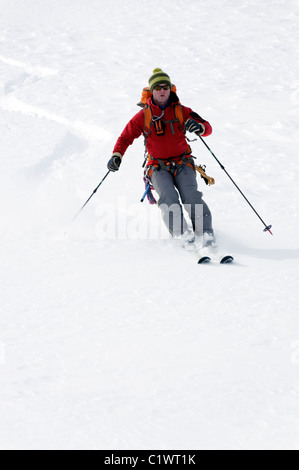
pixel 110 336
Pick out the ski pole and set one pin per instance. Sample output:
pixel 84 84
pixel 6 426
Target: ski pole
pixel 94 191
pixel 267 227
pixel 145 192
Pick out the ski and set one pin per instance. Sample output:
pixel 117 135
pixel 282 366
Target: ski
pixel 227 259
pixel 209 254
pixel 204 260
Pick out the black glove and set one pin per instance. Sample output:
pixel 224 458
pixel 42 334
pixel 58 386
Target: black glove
pixel 114 162
pixel 194 126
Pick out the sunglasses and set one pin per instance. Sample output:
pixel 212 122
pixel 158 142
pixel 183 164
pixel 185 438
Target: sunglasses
pixel 159 87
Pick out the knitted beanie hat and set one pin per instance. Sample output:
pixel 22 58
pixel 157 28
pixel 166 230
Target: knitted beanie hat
pixel 158 77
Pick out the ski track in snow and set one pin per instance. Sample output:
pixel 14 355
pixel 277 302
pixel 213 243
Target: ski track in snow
pixel 79 133
pixel 124 342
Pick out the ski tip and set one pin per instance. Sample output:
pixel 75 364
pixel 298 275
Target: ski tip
pixel 204 260
pixel 227 259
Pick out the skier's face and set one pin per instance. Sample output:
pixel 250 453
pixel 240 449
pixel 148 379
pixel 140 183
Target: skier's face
pixel 161 95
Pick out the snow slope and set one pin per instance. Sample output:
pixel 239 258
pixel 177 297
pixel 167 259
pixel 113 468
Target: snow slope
pixel 110 336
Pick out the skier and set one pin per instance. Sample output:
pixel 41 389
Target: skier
pixel 170 165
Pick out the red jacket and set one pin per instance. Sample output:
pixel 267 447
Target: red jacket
pixel 160 146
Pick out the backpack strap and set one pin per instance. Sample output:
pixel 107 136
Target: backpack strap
pixel 178 111
pixel 149 121
pixel 147 114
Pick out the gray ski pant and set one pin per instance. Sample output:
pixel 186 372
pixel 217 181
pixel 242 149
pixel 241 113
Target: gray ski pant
pixel 181 188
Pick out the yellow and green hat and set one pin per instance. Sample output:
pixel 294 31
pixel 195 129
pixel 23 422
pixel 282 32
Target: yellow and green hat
pixel 158 77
